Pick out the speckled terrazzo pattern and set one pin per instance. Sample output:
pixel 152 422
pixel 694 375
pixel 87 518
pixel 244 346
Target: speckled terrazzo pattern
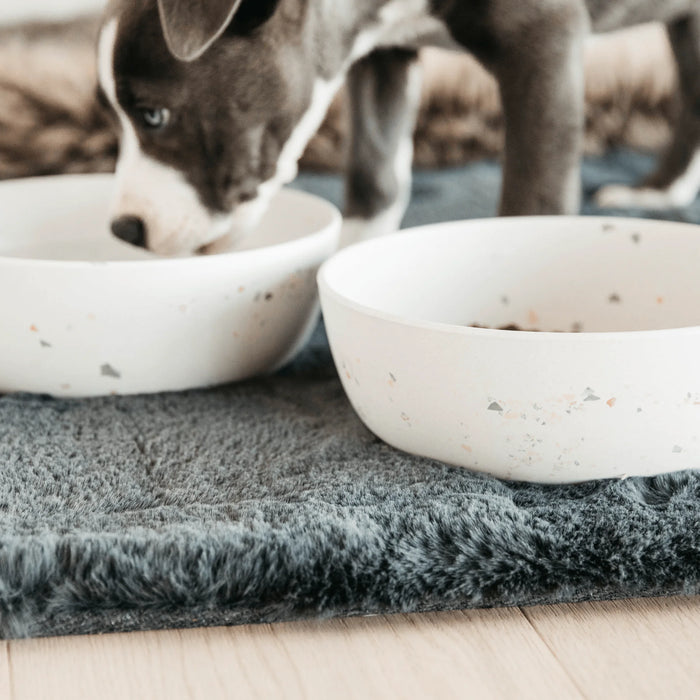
pixel 269 500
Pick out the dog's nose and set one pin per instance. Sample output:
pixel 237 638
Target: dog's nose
pixel 130 229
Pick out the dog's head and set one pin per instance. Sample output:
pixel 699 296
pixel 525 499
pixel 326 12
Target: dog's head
pixel 216 100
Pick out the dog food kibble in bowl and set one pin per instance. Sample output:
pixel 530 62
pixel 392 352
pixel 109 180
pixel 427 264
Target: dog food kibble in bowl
pixel 608 386
pixel 86 314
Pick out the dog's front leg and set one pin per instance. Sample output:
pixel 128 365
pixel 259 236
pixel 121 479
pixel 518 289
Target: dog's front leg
pixel 676 182
pixel 384 94
pixel 539 68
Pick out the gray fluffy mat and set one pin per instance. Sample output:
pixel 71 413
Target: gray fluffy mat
pixel 269 500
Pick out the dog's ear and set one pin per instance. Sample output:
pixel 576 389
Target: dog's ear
pixel 190 27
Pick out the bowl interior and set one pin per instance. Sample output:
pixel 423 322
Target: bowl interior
pixel 543 273
pixel 66 218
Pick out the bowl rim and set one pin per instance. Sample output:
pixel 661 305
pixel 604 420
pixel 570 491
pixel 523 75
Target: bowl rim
pixel 326 289
pixel 331 228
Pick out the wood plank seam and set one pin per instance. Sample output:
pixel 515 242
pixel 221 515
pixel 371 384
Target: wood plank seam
pixel 554 654
pixel 10 675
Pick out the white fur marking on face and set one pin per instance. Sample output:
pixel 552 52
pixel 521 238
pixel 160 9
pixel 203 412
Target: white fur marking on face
pixel 680 193
pixel 176 221
pixel 293 149
pixel 321 98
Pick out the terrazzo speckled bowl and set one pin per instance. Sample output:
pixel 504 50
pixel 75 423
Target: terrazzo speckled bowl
pixel 621 397
pixel 84 314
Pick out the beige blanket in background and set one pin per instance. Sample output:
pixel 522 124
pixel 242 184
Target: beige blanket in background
pixel 50 123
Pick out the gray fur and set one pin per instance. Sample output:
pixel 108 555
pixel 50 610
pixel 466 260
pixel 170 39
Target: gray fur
pixel 539 67
pixel 190 28
pixel 535 51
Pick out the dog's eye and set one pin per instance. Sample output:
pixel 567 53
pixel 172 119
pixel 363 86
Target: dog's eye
pixel 155 118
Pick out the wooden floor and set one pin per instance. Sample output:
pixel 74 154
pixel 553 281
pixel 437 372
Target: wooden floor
pixel 631 649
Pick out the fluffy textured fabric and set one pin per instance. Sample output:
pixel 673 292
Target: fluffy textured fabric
pixel 50 122
pixel 269 500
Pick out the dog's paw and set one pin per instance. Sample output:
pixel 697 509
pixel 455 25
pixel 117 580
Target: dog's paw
pixel 623 197
pixel 356 230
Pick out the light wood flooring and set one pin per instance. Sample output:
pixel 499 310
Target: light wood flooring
pixel 628 649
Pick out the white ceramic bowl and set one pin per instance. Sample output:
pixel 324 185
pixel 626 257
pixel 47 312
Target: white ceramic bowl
pixel 82 313
pixel 620 398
